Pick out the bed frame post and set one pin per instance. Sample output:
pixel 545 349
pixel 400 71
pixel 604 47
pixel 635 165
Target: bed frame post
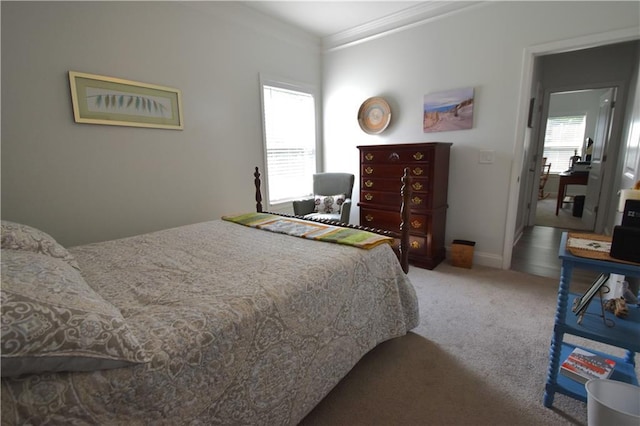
pixel 405 191
pixel 401 251
pixel 256 182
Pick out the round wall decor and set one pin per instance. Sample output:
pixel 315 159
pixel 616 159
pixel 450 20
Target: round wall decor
pixel 374 115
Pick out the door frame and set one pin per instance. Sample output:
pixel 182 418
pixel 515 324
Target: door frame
pixel 534 158
pixel 528 59
pixel 609 158
pixel 610 150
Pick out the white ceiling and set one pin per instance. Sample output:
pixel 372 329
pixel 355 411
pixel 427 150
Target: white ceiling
pixel 327 18
pixel 339 23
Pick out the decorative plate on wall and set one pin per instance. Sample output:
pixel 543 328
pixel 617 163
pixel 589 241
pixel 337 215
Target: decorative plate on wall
pixel 374 115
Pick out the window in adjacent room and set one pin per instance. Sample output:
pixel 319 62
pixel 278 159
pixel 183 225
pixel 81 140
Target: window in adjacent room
pixel 564 136
pixel 289 124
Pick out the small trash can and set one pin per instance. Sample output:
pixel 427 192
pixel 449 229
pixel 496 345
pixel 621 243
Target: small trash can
pixel 610 402
pixel 462 253
pixel 578 205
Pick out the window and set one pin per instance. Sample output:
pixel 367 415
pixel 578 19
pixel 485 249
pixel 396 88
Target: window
pixel 563 137
pixel 289 116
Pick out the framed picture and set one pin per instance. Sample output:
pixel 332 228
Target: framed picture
pixel 113 101
pixel 449 110
pixel 581 303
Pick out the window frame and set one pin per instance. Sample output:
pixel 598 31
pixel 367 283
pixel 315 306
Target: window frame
pixel 287 84
pixel 580 148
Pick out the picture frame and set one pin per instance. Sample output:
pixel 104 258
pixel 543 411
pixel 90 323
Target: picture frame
pixel 99 99
pixel 581 303
pixel 448 110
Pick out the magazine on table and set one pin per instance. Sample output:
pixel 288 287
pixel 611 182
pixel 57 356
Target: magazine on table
pixel 582 365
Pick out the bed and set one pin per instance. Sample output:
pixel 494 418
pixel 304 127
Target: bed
pixel 209 323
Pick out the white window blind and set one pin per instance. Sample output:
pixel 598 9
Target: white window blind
pixel 564 135
pixel 290 143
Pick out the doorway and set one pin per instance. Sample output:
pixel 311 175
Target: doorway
pixel 574 125
pixel 609 65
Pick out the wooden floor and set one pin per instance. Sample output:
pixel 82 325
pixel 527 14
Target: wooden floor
pixel 537 253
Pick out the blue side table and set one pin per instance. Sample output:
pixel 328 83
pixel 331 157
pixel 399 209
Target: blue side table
pixel 625 334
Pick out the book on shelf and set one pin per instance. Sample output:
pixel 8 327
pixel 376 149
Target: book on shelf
pixel 582 365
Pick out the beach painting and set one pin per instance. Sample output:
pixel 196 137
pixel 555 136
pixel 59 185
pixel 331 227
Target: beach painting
pixel 448 110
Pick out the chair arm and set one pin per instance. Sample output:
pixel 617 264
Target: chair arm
pixel 302 207
pixel 346 211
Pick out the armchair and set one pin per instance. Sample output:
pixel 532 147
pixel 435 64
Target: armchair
pixel 325 185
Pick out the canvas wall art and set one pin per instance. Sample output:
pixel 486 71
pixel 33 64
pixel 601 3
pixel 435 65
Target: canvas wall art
pixel 448 110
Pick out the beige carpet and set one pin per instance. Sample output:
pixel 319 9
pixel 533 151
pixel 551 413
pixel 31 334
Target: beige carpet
pixel 546 215
pixel 478 357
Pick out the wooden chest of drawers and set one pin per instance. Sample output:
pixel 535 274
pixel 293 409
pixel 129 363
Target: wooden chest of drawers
pixel 381 168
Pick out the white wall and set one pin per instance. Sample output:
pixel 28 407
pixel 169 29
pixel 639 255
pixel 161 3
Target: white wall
pixel 481 47
pixel 84 183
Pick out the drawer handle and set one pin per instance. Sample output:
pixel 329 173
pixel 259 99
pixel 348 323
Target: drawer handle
pixel 416 200
pixel 368 196
pixel 368 156
pixel 415 244
pixel 417 186
pixel 394 156
pixel 417 171
pixel 368 218
pixel 418 156
pixel 368 170
pixel 368 183
pixel 416 224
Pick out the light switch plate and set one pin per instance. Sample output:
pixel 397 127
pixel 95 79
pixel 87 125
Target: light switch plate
pixel 486 157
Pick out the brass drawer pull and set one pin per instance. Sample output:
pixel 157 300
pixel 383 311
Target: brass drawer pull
pixel 417 186
pixel 368 156
pixel 368 170
pixel 418 156
pixel 368 183
pixel 415 244
pixel 416 224
pixel 368 218
pixel 416 200
pixel 368 197
pixel 417 171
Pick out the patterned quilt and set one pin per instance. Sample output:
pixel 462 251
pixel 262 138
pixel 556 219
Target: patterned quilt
pixel 311 230
pixel 241 326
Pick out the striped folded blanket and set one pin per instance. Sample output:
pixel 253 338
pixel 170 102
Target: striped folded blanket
pixel 310 230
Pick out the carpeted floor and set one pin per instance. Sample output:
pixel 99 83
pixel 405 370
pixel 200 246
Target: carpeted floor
pixel 546 215
pixel 478 357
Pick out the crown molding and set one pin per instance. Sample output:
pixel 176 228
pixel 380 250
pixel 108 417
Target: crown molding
pixel 403 19
pixel 253 20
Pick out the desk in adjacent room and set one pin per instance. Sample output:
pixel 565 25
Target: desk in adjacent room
pixel 569 178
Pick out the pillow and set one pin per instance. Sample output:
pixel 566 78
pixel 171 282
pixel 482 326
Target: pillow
pixel 16 236
pixel 329 203
pixel 53 321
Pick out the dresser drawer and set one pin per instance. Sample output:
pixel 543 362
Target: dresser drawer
pixel 417 245
pixel 389 220
pixel 418 224
pixel 382 219
pixel 403 155
pixel 393 185
pixel 394 171
pixel 418 200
